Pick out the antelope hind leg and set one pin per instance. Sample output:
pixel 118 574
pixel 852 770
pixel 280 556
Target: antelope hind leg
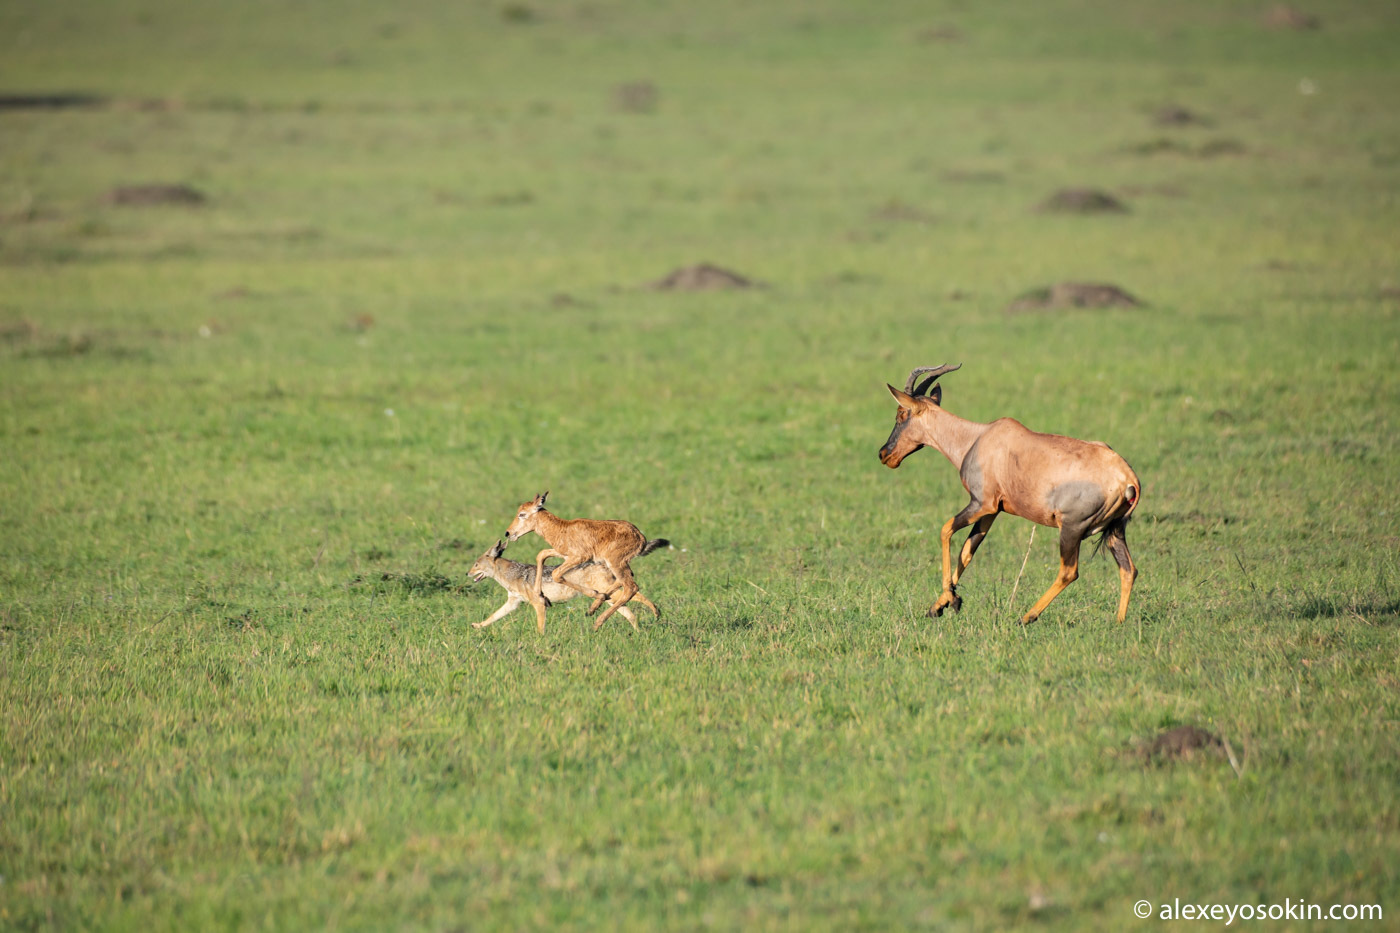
pixel 1069 572
pixel 1117 541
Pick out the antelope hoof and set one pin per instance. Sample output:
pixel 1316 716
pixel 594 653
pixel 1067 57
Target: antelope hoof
pixel 935 611
pixel 956 604
pixel 1027 619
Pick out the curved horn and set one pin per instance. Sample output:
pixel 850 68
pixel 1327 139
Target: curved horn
pixel 933 371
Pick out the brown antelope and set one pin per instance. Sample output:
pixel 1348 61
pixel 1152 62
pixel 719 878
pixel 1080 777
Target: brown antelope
pixel 611 543
pixel 1081 487
pixel 519 582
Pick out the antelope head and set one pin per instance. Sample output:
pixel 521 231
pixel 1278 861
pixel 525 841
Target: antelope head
pixel 914 403
pixel 483 566
pixel 526 517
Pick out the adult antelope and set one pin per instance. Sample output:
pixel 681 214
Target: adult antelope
pixel 611 543
pixel 1081 487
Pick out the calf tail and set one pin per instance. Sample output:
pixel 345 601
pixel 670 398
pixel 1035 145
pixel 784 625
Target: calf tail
pixel 652 545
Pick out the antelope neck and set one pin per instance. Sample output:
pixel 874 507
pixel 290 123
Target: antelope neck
pixel 950 435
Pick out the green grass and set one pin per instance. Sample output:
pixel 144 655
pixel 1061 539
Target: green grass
pixel 238 685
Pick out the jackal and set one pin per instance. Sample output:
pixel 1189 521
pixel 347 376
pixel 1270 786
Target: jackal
pixel 613 543
pixel 519 582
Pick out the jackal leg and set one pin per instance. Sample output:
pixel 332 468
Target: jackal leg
pixel 501 613
pixel 1117 541
pixel 1069 571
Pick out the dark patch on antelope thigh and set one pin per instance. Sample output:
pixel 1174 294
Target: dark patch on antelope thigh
pixel 1076 501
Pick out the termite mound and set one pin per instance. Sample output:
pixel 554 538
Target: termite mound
pixel 1065 295
pixel 1081 201
pixel 1183 743
pixel 154 195
pixel 701 278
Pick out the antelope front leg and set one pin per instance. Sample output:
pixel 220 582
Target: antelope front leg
pixel 973 542
pixel 500 613
pixel 949 596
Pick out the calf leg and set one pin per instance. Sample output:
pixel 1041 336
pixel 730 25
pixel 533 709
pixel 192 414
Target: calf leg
pixel 1070 537
pixel 540 558
pixel 622 595
pixel 1117 540
pixel 573 563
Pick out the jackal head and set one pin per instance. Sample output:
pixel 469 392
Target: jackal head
pixel 484 565
pixel 525 517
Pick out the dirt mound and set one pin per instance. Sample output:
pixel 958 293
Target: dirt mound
pixel 1081 201
pixel 945 32
pixel 1284 16
pixel 1178 116
pixel 58 101
pixel 701 278
pixel 154 195
pixel 1065 295
pixel 1185 742
pixel 900 211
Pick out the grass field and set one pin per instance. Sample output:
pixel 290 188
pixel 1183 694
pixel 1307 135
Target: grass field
pixel 249 448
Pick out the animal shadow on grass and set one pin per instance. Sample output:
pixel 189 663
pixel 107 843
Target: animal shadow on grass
pixel 1372 612
pixel 420 582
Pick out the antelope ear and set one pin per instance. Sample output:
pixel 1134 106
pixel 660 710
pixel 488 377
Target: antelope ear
pixel 498 550
pixel 539 500
pixel 905 400
pixel 935 395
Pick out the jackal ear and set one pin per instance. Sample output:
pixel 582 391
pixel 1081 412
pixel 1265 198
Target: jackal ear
pixel 539 500
pixel 904 399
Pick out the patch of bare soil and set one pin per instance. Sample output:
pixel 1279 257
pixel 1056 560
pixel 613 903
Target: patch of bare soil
pixel 1284 16
pixel 701 278
pixel 1081 201
pixel 635 97
pixel 1064 295
pixel 56 101
pixel 16 331
pixel 1389 291
pixel 1178 116
pixel 973 177
pixel 945 32
pixel 154 196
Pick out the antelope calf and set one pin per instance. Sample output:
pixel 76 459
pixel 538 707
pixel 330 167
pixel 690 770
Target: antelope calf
pixel 1081 487
pixel 519 582
pixel 611 543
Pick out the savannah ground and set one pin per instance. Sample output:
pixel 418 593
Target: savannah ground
pixel 248 450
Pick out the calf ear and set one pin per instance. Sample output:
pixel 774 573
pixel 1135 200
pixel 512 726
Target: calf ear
pixel 539 500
